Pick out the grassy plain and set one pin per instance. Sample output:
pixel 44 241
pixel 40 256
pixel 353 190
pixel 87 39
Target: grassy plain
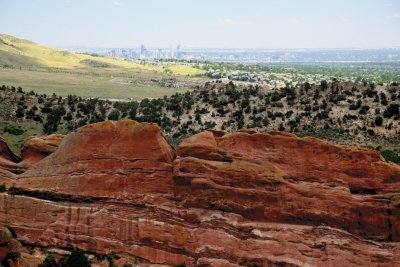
pixel 107 83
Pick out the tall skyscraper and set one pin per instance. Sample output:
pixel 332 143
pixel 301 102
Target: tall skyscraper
pixel 171 52
pixel 178 51
pixel 143 52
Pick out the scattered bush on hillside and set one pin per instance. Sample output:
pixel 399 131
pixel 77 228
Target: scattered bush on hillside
pixel 49 261
pixel 11 129
pixel 392 110
pixel 114 115
pixel 20 112
pixel 383 99
pixel 324 85
pixel 76 259
pixel 390 155
pixel 236 106
pixel 378 121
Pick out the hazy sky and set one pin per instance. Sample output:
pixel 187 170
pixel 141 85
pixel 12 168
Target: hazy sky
pixel 205 23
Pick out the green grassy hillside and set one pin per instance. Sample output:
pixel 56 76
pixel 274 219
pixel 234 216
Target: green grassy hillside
pixel 18 52
pixel 46 70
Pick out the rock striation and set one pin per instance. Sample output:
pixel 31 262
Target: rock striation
pixel 278 177
pixel 222 199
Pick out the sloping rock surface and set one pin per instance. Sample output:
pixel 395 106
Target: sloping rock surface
pixel 34 150
pixel 120 160
pixel 8 163
pixel 222 199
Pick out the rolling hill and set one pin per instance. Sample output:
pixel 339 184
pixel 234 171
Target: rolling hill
pixel 46 70
pixel 23 53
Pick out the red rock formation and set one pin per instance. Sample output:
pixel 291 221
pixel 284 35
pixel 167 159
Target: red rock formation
pixel 37 148
pixel 239 199
pixel 198 237
pixel 5 153
pixel 34 150
pixel 12 253
pixel 281 178
pixel 121 160
pixel 8 163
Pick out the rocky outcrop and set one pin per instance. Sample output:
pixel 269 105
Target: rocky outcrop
pixel 12 253
pixel 199 237
pixel 281 178
pixel 8 163
pixel 34 150
pixel 120 160
pixel 37 148
pixel 5 152
pixel 224 199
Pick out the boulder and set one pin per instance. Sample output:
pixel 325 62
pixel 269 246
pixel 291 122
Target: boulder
pixel 37 148
pixel 5 236
pixel 14 246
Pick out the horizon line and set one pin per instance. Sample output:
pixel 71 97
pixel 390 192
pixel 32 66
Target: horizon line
pixel 60 46
pixel 224 48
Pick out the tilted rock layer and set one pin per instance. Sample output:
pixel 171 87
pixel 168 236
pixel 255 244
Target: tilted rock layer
pixel 281 178
pixel 222 199
pixel 34 150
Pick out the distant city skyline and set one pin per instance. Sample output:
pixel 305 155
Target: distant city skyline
pixel 225 24
pixel 313 56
